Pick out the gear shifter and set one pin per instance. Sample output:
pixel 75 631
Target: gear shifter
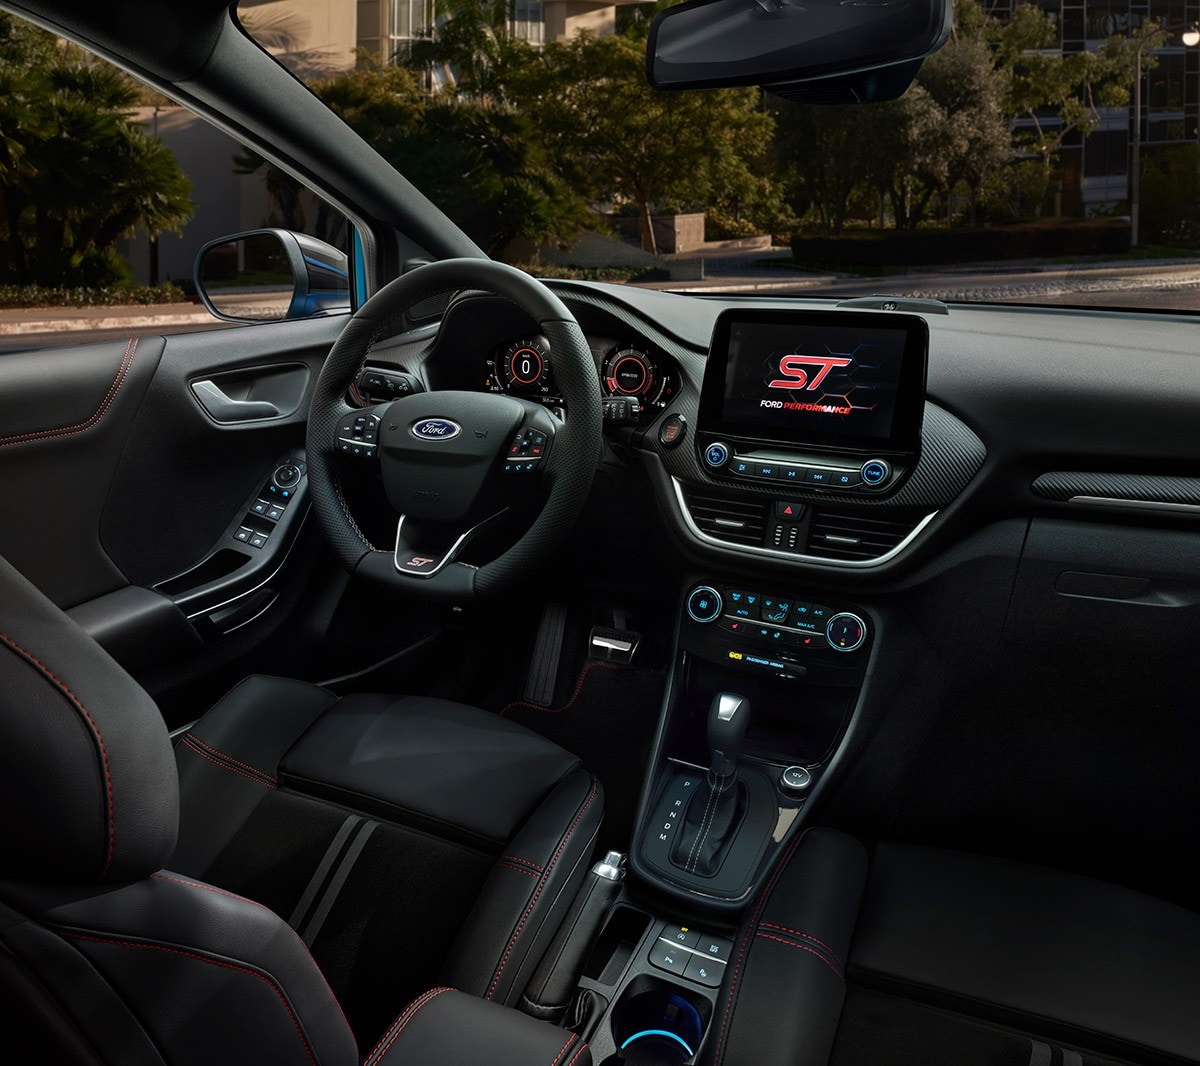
pixel 717 808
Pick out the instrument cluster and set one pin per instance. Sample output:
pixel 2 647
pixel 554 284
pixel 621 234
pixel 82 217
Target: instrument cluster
pixel 525 367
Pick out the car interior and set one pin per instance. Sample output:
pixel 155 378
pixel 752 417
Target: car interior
pixel 509 671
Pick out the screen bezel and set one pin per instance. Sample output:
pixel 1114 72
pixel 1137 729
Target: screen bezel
pixel 910 391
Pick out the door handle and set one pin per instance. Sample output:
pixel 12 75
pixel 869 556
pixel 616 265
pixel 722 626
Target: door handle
pixel 224 408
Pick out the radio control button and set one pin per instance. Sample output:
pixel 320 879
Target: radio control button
pixel 740 466
pixel 766 470
pixel 876 471
pixel 847 479
pixel 791 473
pixel 818 477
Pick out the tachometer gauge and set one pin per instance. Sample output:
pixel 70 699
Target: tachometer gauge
pixel 523 367
pixel 630 372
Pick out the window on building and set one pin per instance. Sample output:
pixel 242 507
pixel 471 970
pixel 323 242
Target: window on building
pixel 1106 153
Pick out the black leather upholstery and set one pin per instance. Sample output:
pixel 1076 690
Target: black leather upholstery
pixel 1005 957
pixel 1052 953
pixel 447 1028
pixel 429 760
pixel 88 785
pixel 783 991
pixel 477 781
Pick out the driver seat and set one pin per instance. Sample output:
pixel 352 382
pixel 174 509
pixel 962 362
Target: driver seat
pixel 408 840
pixel 403 839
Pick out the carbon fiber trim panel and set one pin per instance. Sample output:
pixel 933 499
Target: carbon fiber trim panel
pixel 1149 488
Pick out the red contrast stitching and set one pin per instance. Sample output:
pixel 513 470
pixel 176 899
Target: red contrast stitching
pixel 225 766
pixel 578 1055
pixel 737 970
pixel 563 1050
pixel 216 751
pixel 253 903
pixel 406 1016
pixel 802 947
pixel 594 664
pixel 49 674
pixel 515 858
pixel 538 891
pixel 806 936
pixel 518 869
pixel 265 978
pixel 92 420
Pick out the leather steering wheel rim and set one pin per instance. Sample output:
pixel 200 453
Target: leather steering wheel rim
pixel 577 443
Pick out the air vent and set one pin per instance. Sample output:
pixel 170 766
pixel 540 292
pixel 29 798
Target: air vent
pixel 853 536
pixel 737 521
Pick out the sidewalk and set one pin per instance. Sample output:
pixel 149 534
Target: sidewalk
pixel 16 321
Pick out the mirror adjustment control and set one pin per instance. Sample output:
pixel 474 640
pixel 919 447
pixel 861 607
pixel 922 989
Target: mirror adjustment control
pixel 286 476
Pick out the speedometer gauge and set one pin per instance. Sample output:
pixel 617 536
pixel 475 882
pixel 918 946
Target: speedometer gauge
pixel 522 367
pixel 630 372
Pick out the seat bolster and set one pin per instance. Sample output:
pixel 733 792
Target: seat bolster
pixel 1041 950
pixel 792 944
pixel 214 977
pixel 528 893
pixel 230 758
pixel 448 1028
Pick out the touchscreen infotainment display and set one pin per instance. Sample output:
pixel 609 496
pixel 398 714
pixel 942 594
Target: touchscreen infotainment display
pixel 840 379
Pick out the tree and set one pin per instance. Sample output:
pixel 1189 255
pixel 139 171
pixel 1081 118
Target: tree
pixel 616 140
pixel 481 162
pixel 1059 95
pixel 77 172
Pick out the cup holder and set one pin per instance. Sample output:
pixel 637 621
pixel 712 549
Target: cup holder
pixel 654 1016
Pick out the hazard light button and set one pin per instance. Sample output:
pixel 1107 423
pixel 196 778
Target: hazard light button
pixel 789 510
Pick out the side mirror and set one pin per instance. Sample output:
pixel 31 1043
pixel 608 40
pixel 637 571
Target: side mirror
pixel 826 51
pixel 267 275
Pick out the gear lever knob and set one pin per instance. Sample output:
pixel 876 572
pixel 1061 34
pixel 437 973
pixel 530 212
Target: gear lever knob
pixel 728 716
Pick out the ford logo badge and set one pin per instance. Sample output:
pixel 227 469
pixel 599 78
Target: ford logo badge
pixel 436 429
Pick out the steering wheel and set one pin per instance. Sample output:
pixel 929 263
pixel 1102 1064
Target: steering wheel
pixel 449 459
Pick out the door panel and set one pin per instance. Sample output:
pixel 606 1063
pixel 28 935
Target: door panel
pixel 118 479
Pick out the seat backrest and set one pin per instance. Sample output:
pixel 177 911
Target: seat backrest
pixel 104 956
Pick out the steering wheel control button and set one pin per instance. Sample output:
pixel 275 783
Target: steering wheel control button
pixel 845 632
pixel 875 471
pixel 669 957
pixel 672 430
pixel 795 779
pixel 717 455
pixel 705 971
pixel 704 604
pixel 681 935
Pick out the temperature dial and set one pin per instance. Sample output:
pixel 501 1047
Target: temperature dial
pixel 846 632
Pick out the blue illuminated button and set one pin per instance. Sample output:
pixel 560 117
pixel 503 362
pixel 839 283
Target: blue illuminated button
pixel 792 473
pixel 876 471
pixel 846 479
pixel 716 455
pixel 818 613
pixel 740 466
pixel 767 470
pixel 818 477
pixel 704 604
pixel 775 610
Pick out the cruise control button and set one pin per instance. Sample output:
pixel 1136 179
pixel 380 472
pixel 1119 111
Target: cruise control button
pixel 681 934
pixel 705 971
pixel 669 957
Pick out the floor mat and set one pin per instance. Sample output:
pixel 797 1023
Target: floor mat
pixel 609 720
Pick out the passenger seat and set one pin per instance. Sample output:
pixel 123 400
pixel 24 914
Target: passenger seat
pixel 902 955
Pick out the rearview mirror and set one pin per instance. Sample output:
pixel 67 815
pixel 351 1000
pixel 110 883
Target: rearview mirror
pixel 268 275
pixel 829 51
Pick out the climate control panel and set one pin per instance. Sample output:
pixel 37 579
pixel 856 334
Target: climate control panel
pixel 763 627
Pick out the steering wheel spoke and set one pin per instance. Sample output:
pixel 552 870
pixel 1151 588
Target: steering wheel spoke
pixel 415 557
